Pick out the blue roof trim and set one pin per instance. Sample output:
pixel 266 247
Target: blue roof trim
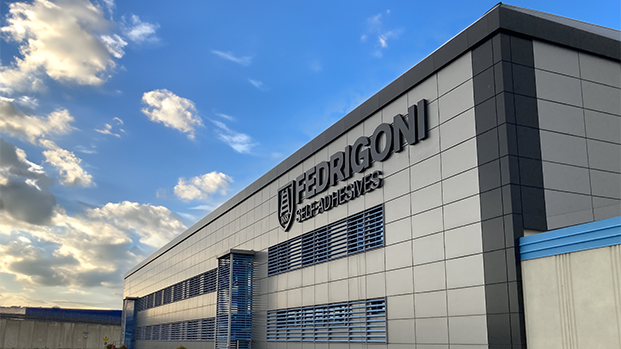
pixel 581 237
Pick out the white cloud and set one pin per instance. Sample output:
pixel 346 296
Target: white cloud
pixel 110 5
pixel 114 44
pixel 47 254
pixel 63 41
pixel 139 31
pixel 375 22
pixel 34 129
pixel 107 130
pixel 161 193
pixel 258 84
pixel 375 28
pixel 171 110
pixel 204 207
pixel 18 124
pixel 27 102
pixel 224 116
pixel 69 170
pixel 88 251
pixel 23 186
pixel 202 187
pixel 241 142
pixel 244 60
pixel 85 150
pixel 155 225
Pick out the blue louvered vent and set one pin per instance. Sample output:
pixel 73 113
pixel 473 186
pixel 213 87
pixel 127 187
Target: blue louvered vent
pixel 223 304
pixel 361 321
pixel 128 322
pixel 234 304
pixel 241 301
pixel 192 287
pixel 357 233
pixel 192 330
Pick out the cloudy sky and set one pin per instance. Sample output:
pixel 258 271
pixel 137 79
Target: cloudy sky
pixel 123 123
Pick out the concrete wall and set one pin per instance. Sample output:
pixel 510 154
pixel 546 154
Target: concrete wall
pixel 21 334
pixel 573 300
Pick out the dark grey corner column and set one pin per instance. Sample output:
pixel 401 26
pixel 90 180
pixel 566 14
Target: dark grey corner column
pixel 510 176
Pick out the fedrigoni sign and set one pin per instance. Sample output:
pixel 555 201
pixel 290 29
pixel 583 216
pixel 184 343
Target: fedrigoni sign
pixel 355 158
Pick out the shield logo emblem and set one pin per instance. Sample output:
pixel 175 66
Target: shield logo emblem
pixel 286 206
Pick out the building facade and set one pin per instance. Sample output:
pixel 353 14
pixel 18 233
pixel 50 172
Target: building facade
pixel 400 225
pixel 34 328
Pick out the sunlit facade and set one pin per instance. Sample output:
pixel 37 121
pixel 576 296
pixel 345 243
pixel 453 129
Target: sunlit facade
pixel 401 224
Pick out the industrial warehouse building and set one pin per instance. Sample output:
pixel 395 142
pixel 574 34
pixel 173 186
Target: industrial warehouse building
pixel 39 328
pixel 473 203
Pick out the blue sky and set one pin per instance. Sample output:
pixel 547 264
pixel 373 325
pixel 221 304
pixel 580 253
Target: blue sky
pixel 123 123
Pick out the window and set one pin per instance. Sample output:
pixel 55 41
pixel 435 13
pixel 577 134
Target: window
pixel 357 233
pixel 353 322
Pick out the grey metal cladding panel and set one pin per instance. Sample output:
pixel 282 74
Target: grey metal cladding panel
pixel 564 31
pixel 482 57
pixel 606 184
pixel 489 176
pixel 483 85
pixel 497 298
pixel 499 329
pixel 370 106
pixel 531 173
pixel 565 209
pixel 334 131
pixel 392 91
pixel 492 234
pixel 590 28
pixel 480 29
pixel 418 73
pixel 350 120
pixel 602 126
pixel 306 151
pixel 447 53
pixel 501 18
pixel 566 178
pixel 534 208
pixel 485 116
pixel 501 47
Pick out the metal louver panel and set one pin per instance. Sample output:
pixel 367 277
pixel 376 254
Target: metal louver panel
pixel 223 304
pixel 207 329
pixel 357 233
pixel 192 287
pixel 234 303
pixel 192 330
pixel 361 321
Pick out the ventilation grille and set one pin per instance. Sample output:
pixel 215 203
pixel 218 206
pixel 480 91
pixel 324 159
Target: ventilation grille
pixel 223 305
pixel 192 287
pixel 193 330
pixel 234 304
pixel 354 322
pixel 357 233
